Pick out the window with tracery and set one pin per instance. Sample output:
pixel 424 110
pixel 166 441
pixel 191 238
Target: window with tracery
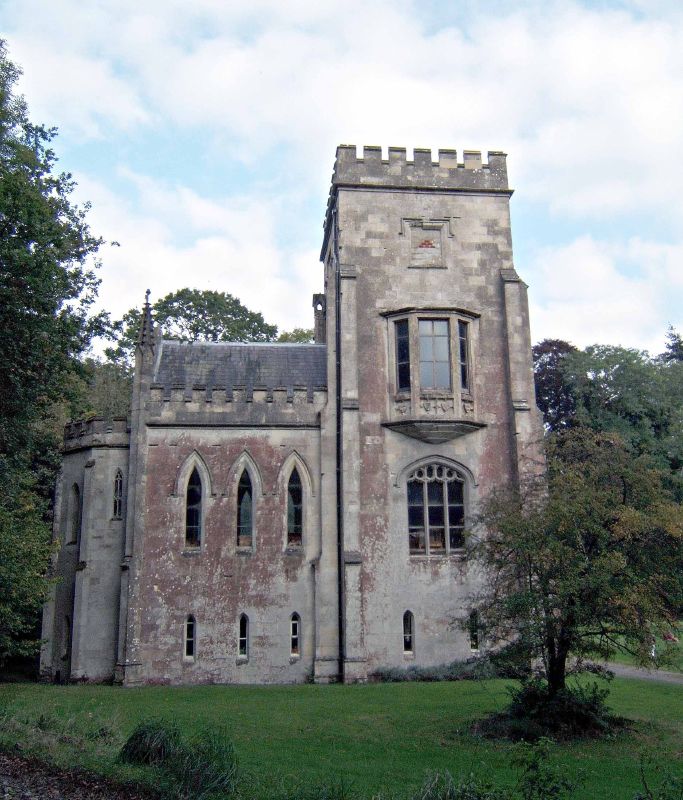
pixel 436 510
pixel 245 515
pixel 294 510
pixel 193 510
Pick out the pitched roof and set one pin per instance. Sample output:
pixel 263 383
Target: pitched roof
pixel 230 364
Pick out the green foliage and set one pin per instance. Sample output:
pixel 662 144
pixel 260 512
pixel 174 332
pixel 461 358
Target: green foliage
pixel 535 713
pixel 473 669
pixel 540 780
pixel 24 552
pixel 203 766
pixel 192 315
pixel 152 742
pixel 554 395
pixel 585 564
pixel 46 285
pixel 442 786
pixel 302 335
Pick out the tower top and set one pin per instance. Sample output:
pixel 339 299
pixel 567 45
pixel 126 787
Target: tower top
pixel 146 333
pixel 423 173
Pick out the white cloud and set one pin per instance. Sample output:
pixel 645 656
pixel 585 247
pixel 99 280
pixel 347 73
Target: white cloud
pixel 592 291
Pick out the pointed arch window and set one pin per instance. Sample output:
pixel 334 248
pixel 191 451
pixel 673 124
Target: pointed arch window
pixel 295 635
pixel 245 511
pixel 294 510
pixel 75 515
pixel 193 512
pixel 190 638
pixel 118 495
pixel 243 640
pixel 408 632
pixel 436 510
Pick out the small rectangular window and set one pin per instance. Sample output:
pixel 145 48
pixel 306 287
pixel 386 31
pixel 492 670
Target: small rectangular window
pixel 435 367
pixel 463 329
pixel 474 630
pixel 190 634
pixel 295 633
pixel 402 355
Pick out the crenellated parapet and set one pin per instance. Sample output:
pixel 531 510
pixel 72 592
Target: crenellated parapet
pixel 96 432
pixel 423 172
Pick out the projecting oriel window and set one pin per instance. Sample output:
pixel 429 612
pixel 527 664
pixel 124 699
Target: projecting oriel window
pixel 436 510
pixel 408 625
pixel 118 495
pixel 245 520
pixel 294 510
pixel 243 638
pixel 295 635
pixel 401 329
pixel 435 359
pixel 193 510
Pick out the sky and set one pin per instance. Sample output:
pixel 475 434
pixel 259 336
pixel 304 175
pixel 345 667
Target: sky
pixel 204 136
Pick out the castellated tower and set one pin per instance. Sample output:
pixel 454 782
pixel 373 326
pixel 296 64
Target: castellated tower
pixel 430 373
pixel 284 512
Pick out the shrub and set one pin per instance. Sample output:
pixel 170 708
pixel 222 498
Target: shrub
pixel 205 767
pixel 479 668
pixel 533 713
pixel 442 786
pixel 152 742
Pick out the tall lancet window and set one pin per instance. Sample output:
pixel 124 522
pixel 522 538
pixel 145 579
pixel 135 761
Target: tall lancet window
pixel 294 510
pixel 245 518
pixel 118 495
pixel 193 514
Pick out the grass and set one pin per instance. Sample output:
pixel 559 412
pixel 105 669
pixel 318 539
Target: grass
pixel 379 737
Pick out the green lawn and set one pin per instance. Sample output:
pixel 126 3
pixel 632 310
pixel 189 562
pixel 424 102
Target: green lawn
pixel 380 737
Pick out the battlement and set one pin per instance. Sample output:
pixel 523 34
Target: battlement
pixel 96 432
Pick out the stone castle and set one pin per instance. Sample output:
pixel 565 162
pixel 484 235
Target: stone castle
pixel 276 513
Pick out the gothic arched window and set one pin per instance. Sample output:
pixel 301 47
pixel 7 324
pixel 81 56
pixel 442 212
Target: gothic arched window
pixel 193 510
pixel 245 508
pixel 190 637
pixel 408 632
pixel 243 641
pixel 118 495
pixel 295 635
pixel 436 510
pixel 294 510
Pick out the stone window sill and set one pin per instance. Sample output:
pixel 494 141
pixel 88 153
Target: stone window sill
pixel 242 660
pixel 245 551
pixel 190 552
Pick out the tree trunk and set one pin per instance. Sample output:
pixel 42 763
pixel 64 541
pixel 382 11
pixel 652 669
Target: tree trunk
pixel 557 672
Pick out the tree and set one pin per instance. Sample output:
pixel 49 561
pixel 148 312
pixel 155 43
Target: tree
pixel 302 335
pixel 193 315
pixel 47 282
pixel 587 563
pixel 674 346
pixel 47 286
pixel 554 394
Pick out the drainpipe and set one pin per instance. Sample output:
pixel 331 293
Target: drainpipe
pixel 340 475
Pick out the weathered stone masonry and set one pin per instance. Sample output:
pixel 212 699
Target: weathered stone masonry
pixel 416 399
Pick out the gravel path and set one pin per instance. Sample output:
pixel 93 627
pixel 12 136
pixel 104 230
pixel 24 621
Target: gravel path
pixel 624 671
pixel 23 779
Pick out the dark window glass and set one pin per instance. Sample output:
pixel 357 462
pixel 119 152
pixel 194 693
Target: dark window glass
pixel 474 630
pixel 464 357
pixel 190 632
pixel 295 634
pixel 193 513
pixel 438 491
pixel 435 369
pixel 408 632
pixel 118 495
pixel 402 355
pixel 75 515
pixel 294 510
pixel 244 511
pixel 243 643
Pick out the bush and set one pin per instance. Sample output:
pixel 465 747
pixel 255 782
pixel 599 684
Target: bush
pixel 442 786
pixel 153 742
pixel 580 711
pixel 202 767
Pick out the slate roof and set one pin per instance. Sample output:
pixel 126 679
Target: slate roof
pixel 231 364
